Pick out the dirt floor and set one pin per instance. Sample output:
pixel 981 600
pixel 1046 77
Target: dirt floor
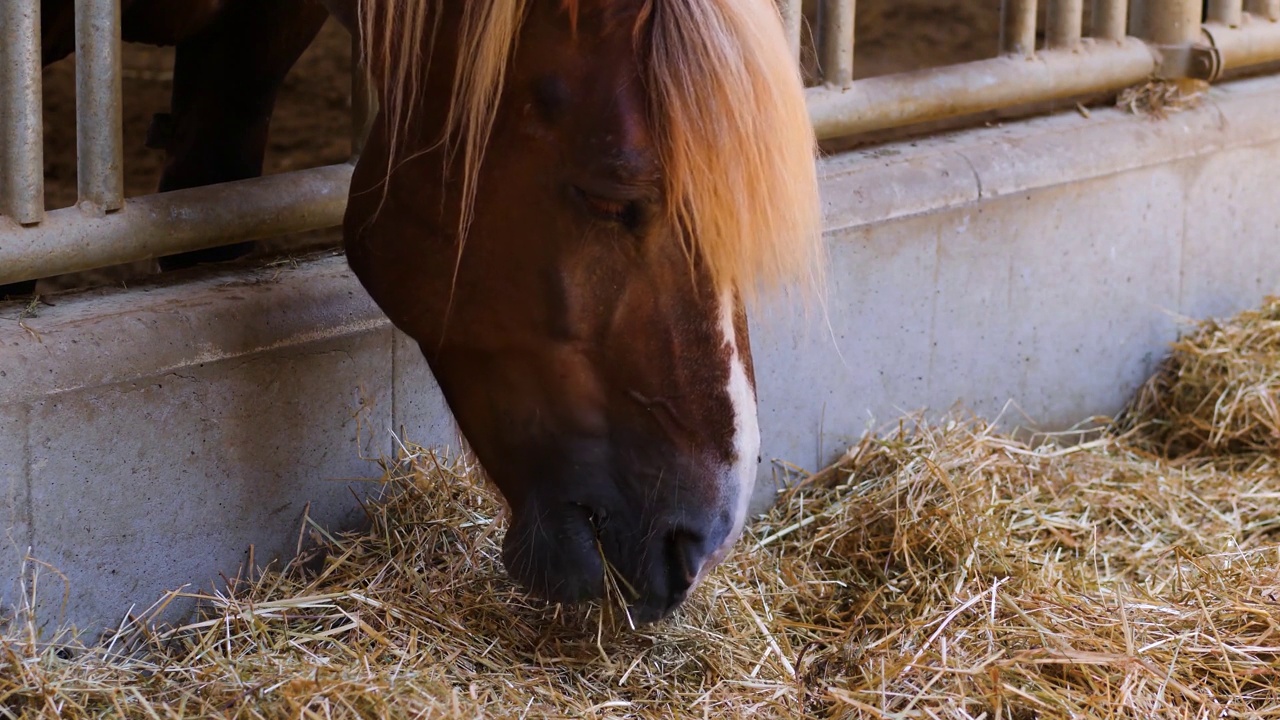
pixel 311 125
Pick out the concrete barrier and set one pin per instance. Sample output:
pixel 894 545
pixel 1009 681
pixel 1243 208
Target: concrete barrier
pixel 149 436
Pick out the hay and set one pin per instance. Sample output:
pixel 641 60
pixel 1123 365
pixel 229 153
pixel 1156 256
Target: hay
pixel 943 571
pixel 1159 98
pixel 1217 396
pixel 936 571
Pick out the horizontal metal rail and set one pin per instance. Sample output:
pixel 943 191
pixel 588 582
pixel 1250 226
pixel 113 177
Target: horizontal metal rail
pixel 889 101
pixel 1253 42
pixel 1239 33
pixel 70 240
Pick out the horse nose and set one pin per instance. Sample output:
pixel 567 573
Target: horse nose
pixel 685 553
pixel 685 556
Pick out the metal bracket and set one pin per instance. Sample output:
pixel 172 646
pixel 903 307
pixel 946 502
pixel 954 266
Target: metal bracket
pixel 1194 62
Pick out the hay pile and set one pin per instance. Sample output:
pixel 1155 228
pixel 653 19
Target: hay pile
pixel 1217 396
pixel 1158 99
pixel 938 571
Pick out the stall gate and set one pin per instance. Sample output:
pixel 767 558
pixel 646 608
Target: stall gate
pixel 1046 54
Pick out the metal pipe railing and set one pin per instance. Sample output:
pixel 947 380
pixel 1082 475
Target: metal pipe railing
pixel 792 12
pixel 1254 42
pixel 1064 23
pixel 21 128
pixel 1166 22
pixel 1239 34
pixel 1269 9
pixel 1226 12
pixel 836 42
pixel 1110 19
pixel 167 223
pixel 1018 27
pixel 99 127
pixel 953 91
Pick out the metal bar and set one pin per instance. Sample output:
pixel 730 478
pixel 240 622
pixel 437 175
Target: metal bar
pixel 1063 24
pixel 1226 12
pixel 99 129
pixel 1018 27
pixel 792 20
pixel 1110 19
pixel 167 223
pixel 1269 9
pixel 1253 43
pixel 896 100
pixel 1167 22
pixel 836 42
pixel 21 129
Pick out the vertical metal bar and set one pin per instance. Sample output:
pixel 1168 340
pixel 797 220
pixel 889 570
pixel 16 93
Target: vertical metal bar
pixel 1227 12
pixel 1167 22
pixel 1018 27
pixel 836 48
pixel 792 18
pixel 364 101
pixel 99 134
pixel 21 131
pixel 1269 9
pixel 1110 19
pixel 1063 23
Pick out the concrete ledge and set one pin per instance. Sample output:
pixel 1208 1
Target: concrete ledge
pixel 149 436
pixel 1034 271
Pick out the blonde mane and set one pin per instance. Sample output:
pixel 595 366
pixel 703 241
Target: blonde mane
pixel 729 115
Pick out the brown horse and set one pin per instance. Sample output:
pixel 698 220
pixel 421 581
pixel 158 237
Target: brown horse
pixel 565 203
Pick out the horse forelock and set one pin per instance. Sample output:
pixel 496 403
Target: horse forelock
pixel 728 110
pixel 737 146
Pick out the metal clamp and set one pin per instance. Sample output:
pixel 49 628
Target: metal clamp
pixel 1194 62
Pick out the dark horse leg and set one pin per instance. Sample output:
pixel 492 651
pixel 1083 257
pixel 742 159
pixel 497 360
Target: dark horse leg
pixel 225 81
pixel 231 59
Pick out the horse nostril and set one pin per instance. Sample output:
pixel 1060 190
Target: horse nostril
pixel 685 556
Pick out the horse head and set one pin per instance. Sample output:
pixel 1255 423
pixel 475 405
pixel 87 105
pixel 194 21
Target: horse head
pixel 566 205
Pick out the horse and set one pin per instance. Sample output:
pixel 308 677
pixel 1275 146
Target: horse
pixel 568 205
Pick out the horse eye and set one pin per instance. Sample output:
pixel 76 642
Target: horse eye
pixel 627 212
pixel 550 95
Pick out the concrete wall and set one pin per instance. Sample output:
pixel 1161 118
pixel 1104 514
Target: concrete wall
pixel 148 437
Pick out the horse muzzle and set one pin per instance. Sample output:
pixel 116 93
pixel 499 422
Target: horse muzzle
pixel 571 553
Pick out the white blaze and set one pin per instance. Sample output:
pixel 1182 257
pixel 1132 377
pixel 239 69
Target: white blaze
pixel 739 478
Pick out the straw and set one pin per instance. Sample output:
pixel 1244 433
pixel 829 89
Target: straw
pixel 938 570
